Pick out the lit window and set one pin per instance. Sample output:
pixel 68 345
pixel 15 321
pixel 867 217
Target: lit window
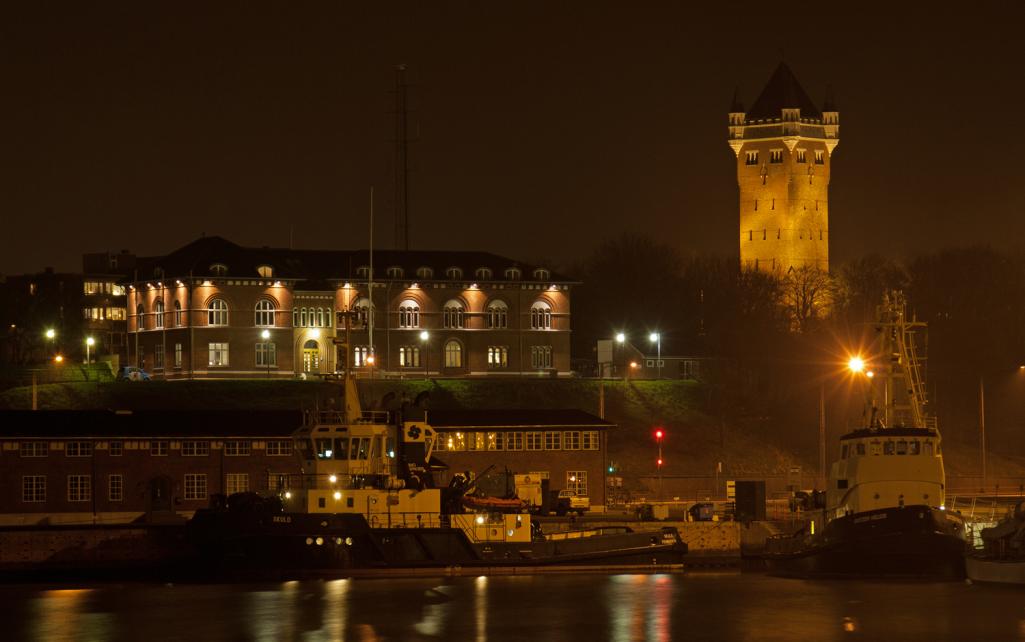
pixel 409 314
pixel 217 312
pixel 498 356
pixel 265 271
pixel 483 273
pixel 453 314
pixel 453 354
pixel 195 486
pixel 264 313
pixel 576 480
pixel 498 315
pixel 409 357
pixel 218 354
pixel 454 273
pixel 359 355
pixel 219 269
pixel 541 316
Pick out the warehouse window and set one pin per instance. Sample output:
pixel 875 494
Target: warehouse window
pixel 80 488
pixel 576 480
pixel 237 483
pixel 217 312
pixel 535 441
pixel 115 488
pixel 237 448
pixel 194 448
pixel 33 488
pixel 195 486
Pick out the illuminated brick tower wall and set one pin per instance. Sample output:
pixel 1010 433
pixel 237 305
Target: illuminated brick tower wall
pixel 784 146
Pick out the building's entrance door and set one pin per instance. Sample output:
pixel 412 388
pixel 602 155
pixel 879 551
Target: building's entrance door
pixel 311 356
pixel 159 494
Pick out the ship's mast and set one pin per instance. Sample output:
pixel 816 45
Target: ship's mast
pixel 899 376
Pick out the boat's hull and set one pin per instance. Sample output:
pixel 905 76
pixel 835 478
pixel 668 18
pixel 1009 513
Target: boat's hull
pixel 908 542
pixel 327 541
pixel 981 569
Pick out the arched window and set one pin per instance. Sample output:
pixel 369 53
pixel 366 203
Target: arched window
pixel 359 356
pixel 265 271
pixel 541 316
pixel 409 314
pixel 178 320
pixel 295 317
pixel 541 274
pixel 303 319
pixel 394 272
pixel 484 273
pixel 453 313
pixel 264 313
pixel 363 271
pixel 219 269
pixel 362 309
pixel 424 272
pixel 217 312
pixel 513 274
pixel 453 354
pixel 498 315
pixel 158 316
pixel 140 317
pixel 320 317
pixel 311 356
pixel 454 273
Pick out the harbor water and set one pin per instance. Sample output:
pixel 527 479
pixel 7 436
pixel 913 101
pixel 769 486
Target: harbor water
pixel 536 608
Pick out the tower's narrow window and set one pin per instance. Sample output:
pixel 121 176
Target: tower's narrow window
pixel 750 235
pixel 756 204
pixel 802 156
pixel 776 156
pixel 763 234
pixel 820 157
pixel 751 158
pixel 773 204
pixel 778 233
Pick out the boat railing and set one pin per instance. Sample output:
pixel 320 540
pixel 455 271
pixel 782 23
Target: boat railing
pixel 394 519
pixel 587 532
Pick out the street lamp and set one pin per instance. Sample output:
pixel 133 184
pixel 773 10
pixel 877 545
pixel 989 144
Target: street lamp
pixel 51 333
pixel 659 435
pixel 656 338
pixel 89 343
pixel 265 335
pixel 424 336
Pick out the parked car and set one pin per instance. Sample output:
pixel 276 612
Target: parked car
pixel 578 504
pixel 131 373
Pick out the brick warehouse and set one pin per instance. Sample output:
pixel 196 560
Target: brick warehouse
pixel 213 309
pixel 117 467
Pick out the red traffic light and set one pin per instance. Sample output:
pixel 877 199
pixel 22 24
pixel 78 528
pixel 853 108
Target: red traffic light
pixel 658 433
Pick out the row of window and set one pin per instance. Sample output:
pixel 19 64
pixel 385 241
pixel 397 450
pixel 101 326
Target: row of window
pixel 900 447
pixel 776 157
pixel 158 448
pixel 498 356
pixel 104 314
pixel 455 273
pixel 103 287
pixel 80 487
pixel 779 234
pixel 532 440
pixel 772 204
pixel 453 315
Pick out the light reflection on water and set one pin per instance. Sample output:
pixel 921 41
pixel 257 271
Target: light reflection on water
pixel 535 608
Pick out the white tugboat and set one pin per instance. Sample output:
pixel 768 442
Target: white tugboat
pixel 884 512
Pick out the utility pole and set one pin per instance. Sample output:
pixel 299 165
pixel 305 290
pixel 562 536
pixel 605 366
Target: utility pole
pixel 822 433
pixel 982 429
pixel 401 161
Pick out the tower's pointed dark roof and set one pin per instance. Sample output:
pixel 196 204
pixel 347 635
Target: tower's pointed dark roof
pixel 783 92
pixel 829 104
pixel 737 105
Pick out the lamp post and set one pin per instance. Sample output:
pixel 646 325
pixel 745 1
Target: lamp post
pixel 424 337
pixel 89 343
pixel 265 335
pixel 656 338
pixel 659 434
pixel 620 339
pixel 51 334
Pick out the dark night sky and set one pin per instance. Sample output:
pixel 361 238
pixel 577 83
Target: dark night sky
pixel 543 127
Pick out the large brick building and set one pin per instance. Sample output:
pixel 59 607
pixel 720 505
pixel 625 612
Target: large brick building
pixel 213 309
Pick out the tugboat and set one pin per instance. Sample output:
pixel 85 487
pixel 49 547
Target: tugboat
pixel 883 513
pixel 367 498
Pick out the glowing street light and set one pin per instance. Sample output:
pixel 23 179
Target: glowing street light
pixel 656 338
pixel 620 337
pixel 856 364
pixel 89 343
pixel 51 333
pixel 59 359
pixel 265 335
pixel 424 337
